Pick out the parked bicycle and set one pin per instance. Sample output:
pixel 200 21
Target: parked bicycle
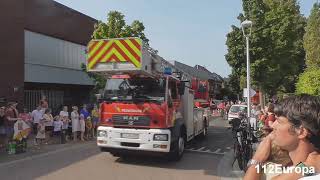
pixel 243 135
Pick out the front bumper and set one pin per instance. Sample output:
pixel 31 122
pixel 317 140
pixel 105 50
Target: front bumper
pixel 144 142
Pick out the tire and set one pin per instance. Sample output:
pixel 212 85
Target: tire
pixel 178 146
pixel 239 157
pixel 115 154
pixel 102 149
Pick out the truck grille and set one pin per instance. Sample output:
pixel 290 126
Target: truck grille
pixel 126 120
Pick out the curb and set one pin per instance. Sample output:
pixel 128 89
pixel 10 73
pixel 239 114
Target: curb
pixel 37 156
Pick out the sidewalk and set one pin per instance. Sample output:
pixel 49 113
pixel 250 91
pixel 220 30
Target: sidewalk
pixel 228 171
pixel 33 150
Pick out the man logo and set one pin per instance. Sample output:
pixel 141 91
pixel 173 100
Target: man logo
pixel 130 123
pixel 131 118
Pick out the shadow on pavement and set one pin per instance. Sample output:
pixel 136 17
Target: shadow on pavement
pixel 210 164
pixel 45 163
pixel 190 161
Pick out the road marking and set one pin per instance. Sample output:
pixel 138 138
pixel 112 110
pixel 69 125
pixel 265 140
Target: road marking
pixel 207 151
pixel 217 151
pixel 44 154
pixel 201 149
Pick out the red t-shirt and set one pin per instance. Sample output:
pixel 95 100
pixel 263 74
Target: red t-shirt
pixel 270 118
pixel 11 113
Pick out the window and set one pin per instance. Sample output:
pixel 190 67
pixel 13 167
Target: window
pixel 173 88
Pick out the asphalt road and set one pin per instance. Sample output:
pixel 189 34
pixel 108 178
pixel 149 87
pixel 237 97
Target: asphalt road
pixel 204 159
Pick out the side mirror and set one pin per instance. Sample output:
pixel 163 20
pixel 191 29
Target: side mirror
pixel 170 103
pixel 181 88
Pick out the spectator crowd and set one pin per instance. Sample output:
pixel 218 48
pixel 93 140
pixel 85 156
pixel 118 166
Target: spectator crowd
pixel 42 127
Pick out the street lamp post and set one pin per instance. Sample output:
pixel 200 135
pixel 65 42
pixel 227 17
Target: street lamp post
pixel 246 29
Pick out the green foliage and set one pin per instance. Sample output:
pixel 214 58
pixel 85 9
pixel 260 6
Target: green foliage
pixel 312 38
pixel 115 27
pixel 99 80
pixel 309 82
pixel 276 46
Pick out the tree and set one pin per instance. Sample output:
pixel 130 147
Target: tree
pixel 276 44
pixel 115 27
pixel 309 81
pixel 312 38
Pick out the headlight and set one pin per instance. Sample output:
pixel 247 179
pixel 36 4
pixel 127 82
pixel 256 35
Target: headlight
pixel 102 134
pixel 160 137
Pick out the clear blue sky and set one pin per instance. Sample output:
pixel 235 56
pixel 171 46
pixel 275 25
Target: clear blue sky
pixel 192 32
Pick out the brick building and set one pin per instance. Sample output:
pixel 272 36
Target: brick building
pixel 42 45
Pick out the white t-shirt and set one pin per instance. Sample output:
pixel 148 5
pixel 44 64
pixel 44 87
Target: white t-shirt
pixel 57 125
pixel 19 127
pixel 316 177
pixel 48 119
pixel 37 115
pixel 64 113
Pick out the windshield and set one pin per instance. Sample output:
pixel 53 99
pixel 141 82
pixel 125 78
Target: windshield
pixel 236 109
pixel 146 89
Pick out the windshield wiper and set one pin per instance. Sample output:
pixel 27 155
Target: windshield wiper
pixel 145 98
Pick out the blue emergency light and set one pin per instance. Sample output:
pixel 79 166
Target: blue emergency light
pixel 167 71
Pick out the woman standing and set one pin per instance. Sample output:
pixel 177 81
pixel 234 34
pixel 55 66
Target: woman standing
pixel 75 122
pixel 2 127
pixel 44 102
pixel 48 121
pixel 11 117
pixel 95 119
pixel 64 115
pixel 82 124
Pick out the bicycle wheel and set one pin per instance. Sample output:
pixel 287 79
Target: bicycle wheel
pixel 247 155
pixel 239 156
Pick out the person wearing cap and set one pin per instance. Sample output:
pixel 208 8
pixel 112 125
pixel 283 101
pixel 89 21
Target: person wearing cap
pixel 296 130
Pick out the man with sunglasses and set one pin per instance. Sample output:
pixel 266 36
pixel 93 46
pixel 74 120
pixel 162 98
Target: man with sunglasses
pixel 296 130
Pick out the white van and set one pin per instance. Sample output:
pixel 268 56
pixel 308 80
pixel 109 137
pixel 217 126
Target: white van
pixel 235 110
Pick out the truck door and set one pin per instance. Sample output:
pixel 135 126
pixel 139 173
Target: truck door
pixel 173 101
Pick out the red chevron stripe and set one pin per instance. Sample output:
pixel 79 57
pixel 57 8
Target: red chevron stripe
pixel 135 43
pixel 124 43
pixel 114 57
pixel 93 45
pixel 99 49
pixel 123 53
pixel 106 52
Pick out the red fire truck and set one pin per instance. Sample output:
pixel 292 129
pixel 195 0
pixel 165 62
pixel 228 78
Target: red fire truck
pixel 148 103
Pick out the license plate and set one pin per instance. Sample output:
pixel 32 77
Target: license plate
pixel 129 135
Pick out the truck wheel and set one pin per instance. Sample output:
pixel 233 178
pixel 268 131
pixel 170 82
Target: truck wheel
pixel 114 154
pixel 177 150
